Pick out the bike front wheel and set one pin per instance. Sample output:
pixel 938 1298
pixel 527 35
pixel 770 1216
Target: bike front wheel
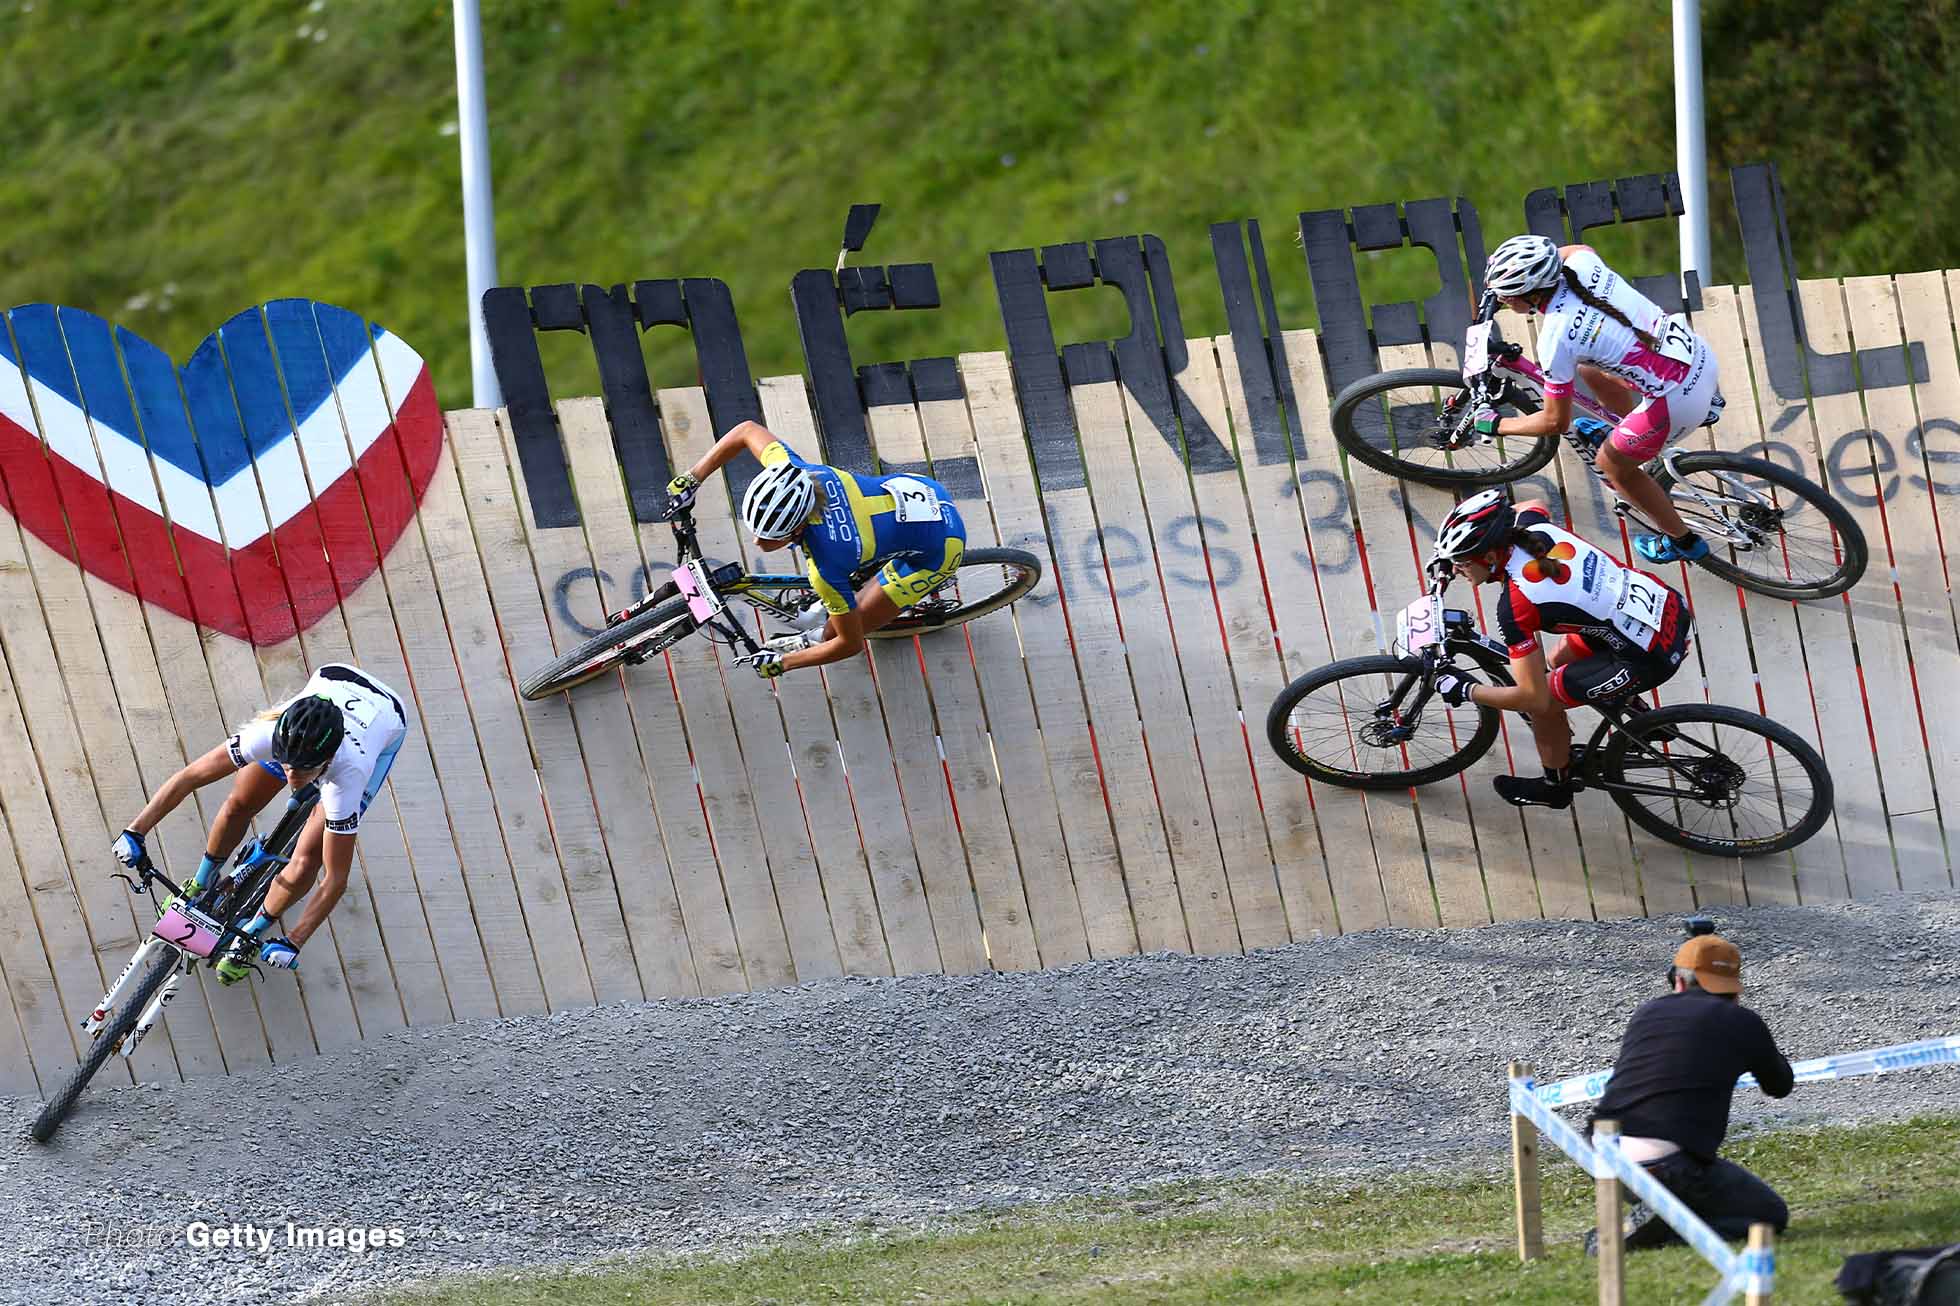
pixel 1348 724
pixel 986 580
pixel 107 1040
pixel 1717 779
pixel 1406 423
pixel 639 636
pixel 1768 529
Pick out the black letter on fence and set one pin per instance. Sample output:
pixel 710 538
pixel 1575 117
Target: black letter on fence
pixel 1330 240
pixel 1139 267
pixel 844 392
pixel 1603 204
pixel 1779 316
pixel 1265 387
pixel 700 305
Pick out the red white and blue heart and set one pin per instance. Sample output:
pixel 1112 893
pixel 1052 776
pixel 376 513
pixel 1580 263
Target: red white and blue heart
pixel 250 491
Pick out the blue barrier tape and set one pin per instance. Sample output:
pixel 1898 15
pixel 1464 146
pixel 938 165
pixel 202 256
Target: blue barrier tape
pixel 1605 1158
pixel 1845 1065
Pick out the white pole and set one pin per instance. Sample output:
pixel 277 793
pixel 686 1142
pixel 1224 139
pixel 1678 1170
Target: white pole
pixel 479 224
pixel 1690 139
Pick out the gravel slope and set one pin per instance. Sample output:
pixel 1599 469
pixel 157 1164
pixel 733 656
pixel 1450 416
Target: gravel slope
pixel 706 1122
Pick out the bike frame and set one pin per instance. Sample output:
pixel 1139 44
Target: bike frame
pixel 254 858
pixel 1510 367
pixel 1460 635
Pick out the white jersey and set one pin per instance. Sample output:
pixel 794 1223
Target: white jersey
pixel 1574 332
pixel 376 725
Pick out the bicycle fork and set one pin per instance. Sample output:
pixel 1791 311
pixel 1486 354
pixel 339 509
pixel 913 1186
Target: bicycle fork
pixel 151 1014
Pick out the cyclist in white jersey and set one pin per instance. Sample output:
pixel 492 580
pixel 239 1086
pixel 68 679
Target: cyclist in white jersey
pixel 1624 631
pixel 342 731
pixel 1650 369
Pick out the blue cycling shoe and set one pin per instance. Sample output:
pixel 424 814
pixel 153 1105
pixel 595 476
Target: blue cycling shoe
pixel 1659 548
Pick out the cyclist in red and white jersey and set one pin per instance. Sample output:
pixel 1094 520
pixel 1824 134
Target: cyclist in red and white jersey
pixel 1625 630
pixel 1650 369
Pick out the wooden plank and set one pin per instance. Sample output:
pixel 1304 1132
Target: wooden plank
pixel 1252 652
pixel 1797 644
pixel 1580 501
pixel 693 919
pixel 1890 739
pixel 499 513
pixel 1926 313
pixel 16 1068
pixel 910 921
pixel 818 761
pixel 1326 612
pixel 231 669
pixel 1478 854
pixel 389 958
pixel 948 779
pixel 603 754
pixel 51 750
pixel 1041 619
pixel 463 989
pixel 497 726
pixel 477 925
pixel 1114 713
pixel 156 663
pixel 1919 583
pixel 1722 650
pixel 1214 801
pixel 43 941
pixel 980 684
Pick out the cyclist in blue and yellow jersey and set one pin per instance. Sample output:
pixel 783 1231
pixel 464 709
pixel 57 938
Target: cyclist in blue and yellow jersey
pixel 845 523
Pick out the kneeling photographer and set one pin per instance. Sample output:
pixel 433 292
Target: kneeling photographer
pixel 1679 1061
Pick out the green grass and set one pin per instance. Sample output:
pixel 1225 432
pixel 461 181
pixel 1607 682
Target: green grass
pixel 1396 1241
pixel 168 165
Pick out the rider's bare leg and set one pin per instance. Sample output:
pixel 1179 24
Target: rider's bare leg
pixel 1627 476
pixel 1631 482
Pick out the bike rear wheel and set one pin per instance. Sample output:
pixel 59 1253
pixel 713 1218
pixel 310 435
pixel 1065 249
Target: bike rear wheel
pixel 1751 787
pixel 639 636
pixel 107 1040
pixel 1332 725
pixel 986 580
pixel 1404 423
pixel 1772 531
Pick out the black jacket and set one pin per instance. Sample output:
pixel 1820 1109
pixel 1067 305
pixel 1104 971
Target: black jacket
pixel 1678 1064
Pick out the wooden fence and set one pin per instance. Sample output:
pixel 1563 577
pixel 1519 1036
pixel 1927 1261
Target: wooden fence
pixel 1084 775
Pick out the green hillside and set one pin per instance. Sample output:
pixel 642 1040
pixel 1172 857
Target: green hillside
pixel 169 164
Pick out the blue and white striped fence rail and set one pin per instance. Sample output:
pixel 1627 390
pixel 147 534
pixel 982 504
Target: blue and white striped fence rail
pixel 1845 1065
pixel 1740 1271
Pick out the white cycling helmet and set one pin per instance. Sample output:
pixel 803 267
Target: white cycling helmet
pixel 779 501
pixel 1521 265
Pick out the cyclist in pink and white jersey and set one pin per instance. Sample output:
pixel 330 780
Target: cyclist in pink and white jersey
pixel 1650 369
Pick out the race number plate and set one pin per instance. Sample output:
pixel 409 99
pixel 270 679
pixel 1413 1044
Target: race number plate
pixel 1642 601
pixel 1419 625
pixel 189 929
pixel 1476 348
pixel 913 500
pixel 692 581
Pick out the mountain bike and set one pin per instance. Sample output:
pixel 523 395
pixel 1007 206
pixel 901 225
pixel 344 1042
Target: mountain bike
pixel 1702 776
pixel 189 931
pixel 697 595
pixel 1769 529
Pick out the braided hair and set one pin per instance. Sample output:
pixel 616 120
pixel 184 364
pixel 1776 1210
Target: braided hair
pixel 1591 300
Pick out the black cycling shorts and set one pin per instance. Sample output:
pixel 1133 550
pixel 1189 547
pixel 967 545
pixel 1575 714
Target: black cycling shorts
pixel 1595 677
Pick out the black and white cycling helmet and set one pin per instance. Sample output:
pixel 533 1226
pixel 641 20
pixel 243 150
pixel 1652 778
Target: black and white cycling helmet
pixel 1479 524
pixel 779 501
pixel 308 733
pixel 1521 265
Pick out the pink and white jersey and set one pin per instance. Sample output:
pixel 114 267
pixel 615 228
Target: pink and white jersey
pixel 1573 332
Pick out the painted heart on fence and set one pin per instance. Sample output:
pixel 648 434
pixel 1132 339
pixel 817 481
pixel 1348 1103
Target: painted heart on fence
pixel 248 492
